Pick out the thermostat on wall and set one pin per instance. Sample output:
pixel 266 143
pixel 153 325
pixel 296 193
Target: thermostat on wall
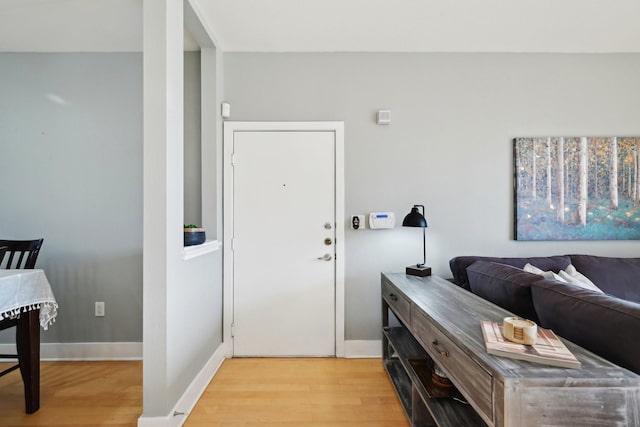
pixel 379 220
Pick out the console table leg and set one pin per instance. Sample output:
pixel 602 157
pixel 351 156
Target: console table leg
pixel 420 415
pixel 28 345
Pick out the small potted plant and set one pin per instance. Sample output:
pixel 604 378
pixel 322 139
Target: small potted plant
pixel 194 235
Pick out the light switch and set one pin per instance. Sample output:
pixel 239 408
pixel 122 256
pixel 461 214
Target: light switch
pixel 226 110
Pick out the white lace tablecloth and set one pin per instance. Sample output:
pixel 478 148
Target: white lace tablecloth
pixel 24 290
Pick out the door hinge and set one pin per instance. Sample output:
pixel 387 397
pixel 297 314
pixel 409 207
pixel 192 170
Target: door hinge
pixel 233 330
pixel 233 159
pixel 233 244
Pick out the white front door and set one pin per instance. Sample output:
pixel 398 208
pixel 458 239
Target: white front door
pixel 283 243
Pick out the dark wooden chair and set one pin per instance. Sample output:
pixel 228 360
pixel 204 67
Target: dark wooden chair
pixel 22 254
pixel 3 250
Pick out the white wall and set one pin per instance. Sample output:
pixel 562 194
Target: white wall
pixel 449 147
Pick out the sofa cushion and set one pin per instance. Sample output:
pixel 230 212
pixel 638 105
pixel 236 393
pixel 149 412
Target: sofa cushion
pixel 459 265
pixel 601 323
pixel 504 285
pixel 574 277
pixel 615 276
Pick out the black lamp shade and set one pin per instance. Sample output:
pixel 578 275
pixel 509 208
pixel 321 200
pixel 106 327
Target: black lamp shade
pixel 414 219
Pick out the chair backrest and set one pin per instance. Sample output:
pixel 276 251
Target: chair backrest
pixel 20 253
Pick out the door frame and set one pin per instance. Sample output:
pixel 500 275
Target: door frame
pixel 230 127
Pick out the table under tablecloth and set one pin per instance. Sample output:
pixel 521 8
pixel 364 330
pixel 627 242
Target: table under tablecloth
pixel 24 290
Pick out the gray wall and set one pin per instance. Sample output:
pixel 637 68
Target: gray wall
pixel 77 120
pixel 192 146
pixel 71 164
pixel 449 147
pixel 71 168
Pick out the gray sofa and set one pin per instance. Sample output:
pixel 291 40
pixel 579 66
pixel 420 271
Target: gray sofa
pixel 607 324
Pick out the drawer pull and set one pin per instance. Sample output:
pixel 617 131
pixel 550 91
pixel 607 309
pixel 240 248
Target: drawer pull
pixel 393 297
pixel 439 349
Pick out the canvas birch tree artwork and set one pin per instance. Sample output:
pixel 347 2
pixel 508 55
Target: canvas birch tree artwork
pixel 577 188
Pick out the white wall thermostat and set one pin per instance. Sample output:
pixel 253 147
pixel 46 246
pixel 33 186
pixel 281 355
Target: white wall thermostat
pixel 379 220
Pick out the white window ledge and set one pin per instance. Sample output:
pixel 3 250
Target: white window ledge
pixel 195 251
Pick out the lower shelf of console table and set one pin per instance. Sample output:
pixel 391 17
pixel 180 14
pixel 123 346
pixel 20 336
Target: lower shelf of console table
pixel 409 368
pixel 437 322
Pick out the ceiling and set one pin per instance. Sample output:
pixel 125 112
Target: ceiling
pixel 601 26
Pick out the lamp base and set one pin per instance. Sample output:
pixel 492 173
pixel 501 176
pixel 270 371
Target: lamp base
pixel 419 270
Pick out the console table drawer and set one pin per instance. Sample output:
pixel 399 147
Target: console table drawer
pixel 400 305
pixel 474 382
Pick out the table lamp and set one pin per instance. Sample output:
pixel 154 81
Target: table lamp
pixel 416 219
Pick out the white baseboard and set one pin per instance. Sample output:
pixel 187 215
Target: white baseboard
pixel 178 415
pixel 362 349
pixel 85 351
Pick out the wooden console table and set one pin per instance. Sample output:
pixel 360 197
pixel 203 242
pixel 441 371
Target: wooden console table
pixel 438 322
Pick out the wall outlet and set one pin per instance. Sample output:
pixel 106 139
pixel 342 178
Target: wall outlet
pixel 99 309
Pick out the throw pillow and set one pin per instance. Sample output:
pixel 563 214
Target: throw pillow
pixel 546 274
pixel 573 276
pixel 569 275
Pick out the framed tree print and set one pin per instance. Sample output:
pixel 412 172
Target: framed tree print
pixel 577 188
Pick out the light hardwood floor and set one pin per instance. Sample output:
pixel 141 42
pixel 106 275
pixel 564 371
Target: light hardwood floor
pixel 245 392
pixel 299 392
pixel 77 394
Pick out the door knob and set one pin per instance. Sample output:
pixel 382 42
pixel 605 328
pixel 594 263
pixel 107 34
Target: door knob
pixel 328 241
pixel 326 257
